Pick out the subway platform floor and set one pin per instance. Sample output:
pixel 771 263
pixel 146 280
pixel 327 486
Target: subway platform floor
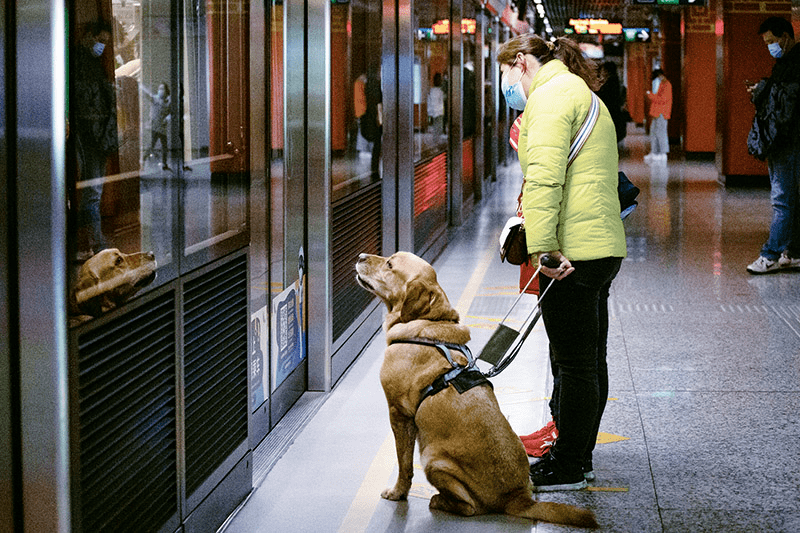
pixel 701 431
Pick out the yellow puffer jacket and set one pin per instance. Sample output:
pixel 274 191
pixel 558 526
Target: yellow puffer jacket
pixel 575 211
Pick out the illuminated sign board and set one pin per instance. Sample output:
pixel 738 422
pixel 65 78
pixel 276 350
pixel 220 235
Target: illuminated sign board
pixel 672 2
pixel 595 26
pixel 442 27
pixel 468 26
pixel 638 35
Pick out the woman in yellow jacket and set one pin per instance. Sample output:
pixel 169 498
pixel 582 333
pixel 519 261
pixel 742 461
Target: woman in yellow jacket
pixel 572 213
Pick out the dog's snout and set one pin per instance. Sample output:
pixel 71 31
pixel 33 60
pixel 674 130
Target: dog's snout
pixel 362 257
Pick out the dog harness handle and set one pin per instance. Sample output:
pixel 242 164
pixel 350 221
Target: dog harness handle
pixel 462 378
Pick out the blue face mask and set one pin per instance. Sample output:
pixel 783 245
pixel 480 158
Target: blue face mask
pixel 97 49
pixel 514 94
pixel 775 50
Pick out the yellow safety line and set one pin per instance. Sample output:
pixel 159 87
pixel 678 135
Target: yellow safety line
pixel 369 494
pixel 475 282
pixel 366 500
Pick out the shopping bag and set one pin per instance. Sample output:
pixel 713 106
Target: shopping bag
pixel 526 270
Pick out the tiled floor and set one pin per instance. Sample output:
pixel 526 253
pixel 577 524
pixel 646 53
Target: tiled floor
pixel 701 432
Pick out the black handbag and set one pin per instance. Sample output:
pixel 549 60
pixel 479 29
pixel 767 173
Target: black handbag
pixel 627 195
pixel 514 248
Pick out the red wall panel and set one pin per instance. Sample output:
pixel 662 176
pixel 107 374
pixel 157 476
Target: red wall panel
pixel 746 58
pixel 700 91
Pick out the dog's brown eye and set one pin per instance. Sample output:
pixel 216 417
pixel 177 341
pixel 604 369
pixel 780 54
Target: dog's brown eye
pixel 118 261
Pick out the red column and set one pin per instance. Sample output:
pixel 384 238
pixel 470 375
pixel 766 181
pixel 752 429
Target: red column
pixel 699 75
pixel 638 80
pixel 745 58
pixel 671 65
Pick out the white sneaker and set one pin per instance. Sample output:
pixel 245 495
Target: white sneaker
pixel 789 262
pixel 762 265
pixel 648 158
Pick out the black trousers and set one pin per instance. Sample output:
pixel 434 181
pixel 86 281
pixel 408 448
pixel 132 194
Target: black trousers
pixel 575 314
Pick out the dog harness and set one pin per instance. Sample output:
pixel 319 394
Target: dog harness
pixel 462 378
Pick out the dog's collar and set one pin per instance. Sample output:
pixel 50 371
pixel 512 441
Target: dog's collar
pixel 462 378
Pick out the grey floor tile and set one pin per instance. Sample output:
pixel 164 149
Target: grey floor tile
pixel 731 521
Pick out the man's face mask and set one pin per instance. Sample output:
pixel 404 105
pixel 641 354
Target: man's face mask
pixel 97 49
pixel 514 94
pixel 775 50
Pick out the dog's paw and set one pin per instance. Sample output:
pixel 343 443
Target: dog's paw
pixel 394 494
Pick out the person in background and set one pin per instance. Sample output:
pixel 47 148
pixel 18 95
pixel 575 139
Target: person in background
pixel 93 108
pixel 610 92
pixel 436 105
pixel 572 214
pixel 359 109
pixel 159 121
pixel 776 124
pixel 660 109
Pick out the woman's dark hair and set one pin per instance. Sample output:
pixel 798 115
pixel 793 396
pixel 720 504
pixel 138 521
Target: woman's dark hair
pixel 563 49
pixel 656 73
pixel 777 25
pixel 166 88
pixel 610 69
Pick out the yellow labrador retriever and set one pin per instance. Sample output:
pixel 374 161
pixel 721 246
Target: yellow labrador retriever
pixel 108 278
pixel 468 450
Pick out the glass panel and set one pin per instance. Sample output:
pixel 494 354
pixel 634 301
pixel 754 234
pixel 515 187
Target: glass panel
pixel 469 101
pixel 431 53
pixel 216 126
pixel 357 102
pixel 277 153
pixel 121 205
pixel 260 47
pixel 158 178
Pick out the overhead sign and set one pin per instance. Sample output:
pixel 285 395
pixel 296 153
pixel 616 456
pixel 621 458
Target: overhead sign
pixel 673 2
pixel 442 27
pixel 638 35
pixel 595 26
pixel 469 26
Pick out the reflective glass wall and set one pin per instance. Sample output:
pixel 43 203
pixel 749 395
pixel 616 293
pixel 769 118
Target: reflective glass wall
pixel 432 110
pixel 356 156
pixel 431 78
pixel 158 144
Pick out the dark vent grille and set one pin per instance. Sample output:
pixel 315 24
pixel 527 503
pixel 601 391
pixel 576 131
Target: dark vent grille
pixel 215 368
pixel 126 380
pixel 356 229
pixel 430 199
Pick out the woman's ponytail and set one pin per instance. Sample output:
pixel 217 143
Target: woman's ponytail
pixel 570 54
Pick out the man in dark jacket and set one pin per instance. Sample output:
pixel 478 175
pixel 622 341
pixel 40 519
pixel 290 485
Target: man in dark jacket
pixel 776 137
pixel 94 124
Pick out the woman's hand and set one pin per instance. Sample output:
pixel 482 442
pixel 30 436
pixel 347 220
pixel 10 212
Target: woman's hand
pixel 563 270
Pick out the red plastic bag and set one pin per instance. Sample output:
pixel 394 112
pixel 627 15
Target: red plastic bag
pixel 513 135
pixel 526 270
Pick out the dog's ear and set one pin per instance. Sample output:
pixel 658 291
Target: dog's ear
pixel 425 300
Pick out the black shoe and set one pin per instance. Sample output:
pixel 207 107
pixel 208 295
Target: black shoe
pixel 165 167
pixel 588 470
pixel 550 474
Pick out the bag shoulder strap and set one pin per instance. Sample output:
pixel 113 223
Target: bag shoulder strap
pixel 585 130
pixel 577 143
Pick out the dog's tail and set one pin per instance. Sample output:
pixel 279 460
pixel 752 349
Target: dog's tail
pixel 557 513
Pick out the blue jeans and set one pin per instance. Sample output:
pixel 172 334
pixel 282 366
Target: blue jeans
pixel 784 180
pixel 575 313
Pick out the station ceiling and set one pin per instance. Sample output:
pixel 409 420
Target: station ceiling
pixel 623 11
